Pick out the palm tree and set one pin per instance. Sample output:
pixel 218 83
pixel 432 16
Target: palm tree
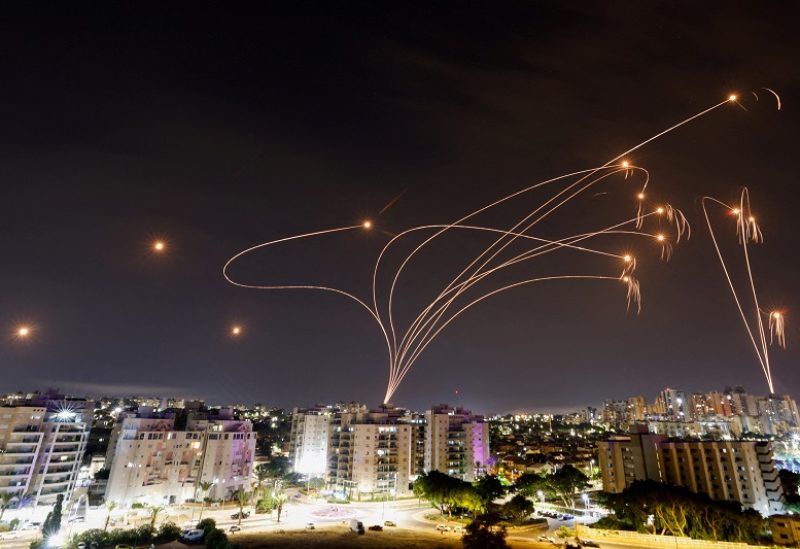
pixel 110 506
pixel 279 497
pixel 262 473
pixel 205 486
pixel 5 502
pixel 242 498
pixel 154 512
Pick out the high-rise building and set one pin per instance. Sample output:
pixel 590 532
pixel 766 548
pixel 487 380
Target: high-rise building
pixel 372 454
pixel 309 440
pixel 42 443
pixel 728 470
pixel 456 442
pixel 152 461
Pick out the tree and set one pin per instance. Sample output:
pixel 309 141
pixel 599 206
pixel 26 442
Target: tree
pixel 518 507
pixel 566 482
pixel 467 497
pixel 442 491
pixel 110 506
pixel 52 524
pixel 676 511
pixel 489 488
pixel 479 535
pixel 242 498
pixel 6 498
pixel 205 486
pixel 262 473
pixel 279 497
pixel 277 467
pixel 154 512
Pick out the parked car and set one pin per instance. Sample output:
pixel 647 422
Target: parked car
pixel 234 528
pixel 357 526
pixel 442 528
pixel 590 543
pixel 192 535
pixel 310 526
pixel 389 523
pixel 376 528
pixel 567 517
pixel 244 514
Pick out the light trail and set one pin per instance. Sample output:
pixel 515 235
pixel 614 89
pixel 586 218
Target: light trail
pixel 747 230
pixel 406 344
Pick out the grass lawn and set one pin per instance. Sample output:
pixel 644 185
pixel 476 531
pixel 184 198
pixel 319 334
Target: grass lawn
pixel 342 538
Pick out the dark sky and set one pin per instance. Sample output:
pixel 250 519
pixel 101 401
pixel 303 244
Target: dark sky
pixel 222 127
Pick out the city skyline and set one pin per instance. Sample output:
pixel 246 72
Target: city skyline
pixel 207 135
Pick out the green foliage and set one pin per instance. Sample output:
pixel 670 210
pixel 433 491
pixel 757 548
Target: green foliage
pixel 489 488
pixel 138 505
pixel 442 491
pixel 169 531
pixel 480 535
pixel 142 534
pixel 564 484
pixel 37 544
pixel 277 467
pixel 216 539
pixel 678 512
pixel 518 508
pixel 207 525
pixel 52 524
pixel 265 505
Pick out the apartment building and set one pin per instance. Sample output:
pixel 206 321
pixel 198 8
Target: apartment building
pixel 152 461
pixel 42 443
pixel 372 454
pixel 309 440
pixel 456 442
pixel 742 471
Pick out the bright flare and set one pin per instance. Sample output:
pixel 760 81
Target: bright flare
pixel 367 224
pixel 159 246
pixel 625 164
pixel 660 237
pixel 236 330
pixel 732 97
pixel 627 258
pixel 640 196
pixel 23 331
pixel 659 210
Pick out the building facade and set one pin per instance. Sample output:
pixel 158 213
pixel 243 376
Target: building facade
pixel 456 442
pixel 150 461
pixel 742 471
pixel 42 443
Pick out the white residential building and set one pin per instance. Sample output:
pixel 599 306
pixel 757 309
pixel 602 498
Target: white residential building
pixel 42 443
pixel 456 442
pixel 150 461
pixel 309 440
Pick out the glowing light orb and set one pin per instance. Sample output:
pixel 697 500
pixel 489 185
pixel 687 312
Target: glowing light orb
pixel 735 211
pixel 751 219
pixel 159 246
pixel 236 330
pixel 640 196
pixel 23 331
pixel 659 210
pixel 660 237
pixel 625 164
pixel 367 224
pixel 627 258
pixel 732 97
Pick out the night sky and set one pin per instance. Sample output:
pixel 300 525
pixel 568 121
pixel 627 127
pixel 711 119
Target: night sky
pixel 219 128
